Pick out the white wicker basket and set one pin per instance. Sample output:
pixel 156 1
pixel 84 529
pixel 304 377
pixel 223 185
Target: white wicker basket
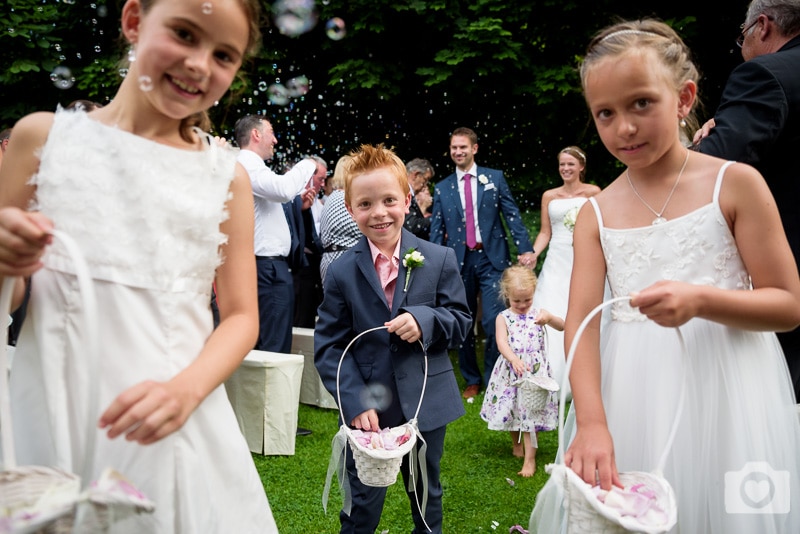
pixel 535 390
pixel 586 514
pixel 379 467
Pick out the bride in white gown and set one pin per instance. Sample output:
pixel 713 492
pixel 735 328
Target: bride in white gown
pixel 560 207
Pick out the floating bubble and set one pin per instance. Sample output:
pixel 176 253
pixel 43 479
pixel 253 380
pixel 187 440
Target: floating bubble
pixel 297 86
pixel 102 11
pixel 262 86
pixel 62 77
pixel 145 83
pixel 376 395
pixel 123 72
pixel 207 8
pixel 335 29
pixel 294 17
pixel 278 94
pixel 68 1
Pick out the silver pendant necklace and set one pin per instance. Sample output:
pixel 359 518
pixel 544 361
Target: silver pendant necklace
pixel 659 219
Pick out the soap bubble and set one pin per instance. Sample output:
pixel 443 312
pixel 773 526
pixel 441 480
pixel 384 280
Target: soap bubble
pixel 278 94
pixel 294 17
pixel 335 29
pixel 62 77
pixel 145 83
pixel 297 86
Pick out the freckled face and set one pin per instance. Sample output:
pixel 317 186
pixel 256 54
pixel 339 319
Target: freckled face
pixel 520 300
pixel 379 206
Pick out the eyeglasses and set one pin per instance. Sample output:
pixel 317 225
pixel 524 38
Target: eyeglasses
pixel 743 32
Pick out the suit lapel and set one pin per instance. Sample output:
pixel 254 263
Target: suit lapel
pixel 454 200
pixel 479 187
pixel 367 268
pixel 407 241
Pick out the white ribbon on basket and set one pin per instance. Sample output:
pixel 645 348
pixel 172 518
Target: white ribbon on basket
pixel 560 471
pixel 337 463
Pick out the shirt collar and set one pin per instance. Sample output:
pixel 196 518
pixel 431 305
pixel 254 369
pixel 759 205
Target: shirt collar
pixel 375 251
pixel 472 170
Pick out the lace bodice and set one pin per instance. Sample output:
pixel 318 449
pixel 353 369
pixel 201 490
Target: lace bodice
pixel 697 248
pixel 563 212
pixel 144 214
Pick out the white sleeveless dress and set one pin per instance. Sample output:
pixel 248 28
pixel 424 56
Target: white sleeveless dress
pixel 734 466
pixel 552 289
pixel 146 216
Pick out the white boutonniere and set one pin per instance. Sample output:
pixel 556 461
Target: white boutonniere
pixel 483 179
pixel 412 259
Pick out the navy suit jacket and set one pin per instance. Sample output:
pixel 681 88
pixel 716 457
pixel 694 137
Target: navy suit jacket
pixel 494 199
pixel 758 122
pixel 380 362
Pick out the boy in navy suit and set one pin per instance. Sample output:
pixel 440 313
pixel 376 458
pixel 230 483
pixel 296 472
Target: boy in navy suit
pixel 381 375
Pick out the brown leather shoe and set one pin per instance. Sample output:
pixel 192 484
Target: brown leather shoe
pixel 471 391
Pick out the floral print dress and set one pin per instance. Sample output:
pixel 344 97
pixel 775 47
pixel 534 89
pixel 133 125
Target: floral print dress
pixel 502 406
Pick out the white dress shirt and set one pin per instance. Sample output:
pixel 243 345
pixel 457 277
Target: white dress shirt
pixel 473 182
pixel 272 236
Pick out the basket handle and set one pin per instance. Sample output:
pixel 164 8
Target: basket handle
pixel 90 342
pixel 341 359
pixel 565 379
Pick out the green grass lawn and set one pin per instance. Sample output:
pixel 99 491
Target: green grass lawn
pixel 476 470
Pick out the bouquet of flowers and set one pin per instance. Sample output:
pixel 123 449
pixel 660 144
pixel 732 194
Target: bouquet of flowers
pixel 570 217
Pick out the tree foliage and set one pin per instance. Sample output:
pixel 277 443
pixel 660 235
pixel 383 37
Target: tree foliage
pixel 406 73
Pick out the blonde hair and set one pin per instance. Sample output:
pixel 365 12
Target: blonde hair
pixel 516 277
pixel 646 34
pixel 368 158
pixel 578 154
pixel 337 180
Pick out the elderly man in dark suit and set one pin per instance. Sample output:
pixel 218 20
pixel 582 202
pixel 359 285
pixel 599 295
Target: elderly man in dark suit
pixel 467 210
pixel 758 120
pixel 418 220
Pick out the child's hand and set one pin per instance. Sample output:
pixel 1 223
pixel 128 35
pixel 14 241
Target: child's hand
pixel 668 303
pixel 147 412
pixel 544 317
pixel 23 237
pixel 591 456
pixel 366 421
pixel 405 326
pixel 518 366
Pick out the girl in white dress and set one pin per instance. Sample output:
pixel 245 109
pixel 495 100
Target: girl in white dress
pixel 698 244
pixel 160 211
pixel 560 207
pixel 520 339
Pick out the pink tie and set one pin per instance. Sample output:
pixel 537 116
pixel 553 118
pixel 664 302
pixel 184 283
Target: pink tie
pixel 384 267
pixel 469 215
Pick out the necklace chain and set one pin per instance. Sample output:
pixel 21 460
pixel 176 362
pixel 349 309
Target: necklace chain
pixel 659 219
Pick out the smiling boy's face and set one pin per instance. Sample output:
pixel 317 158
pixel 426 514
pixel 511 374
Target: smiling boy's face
pixel 379 206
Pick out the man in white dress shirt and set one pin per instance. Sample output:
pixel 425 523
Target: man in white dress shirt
pixel 256 138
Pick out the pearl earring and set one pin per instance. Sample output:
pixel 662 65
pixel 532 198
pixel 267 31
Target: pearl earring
pixel 131 54
pixel 683 123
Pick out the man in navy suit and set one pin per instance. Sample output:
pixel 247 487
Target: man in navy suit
pixel 382 375
pixel 467 210
pixel 758 121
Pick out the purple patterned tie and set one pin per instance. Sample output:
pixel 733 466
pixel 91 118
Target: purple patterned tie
pixel 469 215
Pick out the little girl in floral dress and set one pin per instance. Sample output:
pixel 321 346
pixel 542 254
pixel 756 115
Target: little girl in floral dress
pixel 520 339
